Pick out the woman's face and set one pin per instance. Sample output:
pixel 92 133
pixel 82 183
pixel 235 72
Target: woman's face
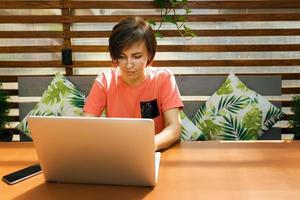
pixel 132 62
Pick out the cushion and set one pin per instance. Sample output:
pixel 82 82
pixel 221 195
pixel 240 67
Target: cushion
pixel 189 131
pixel 234 112
pixel 61 98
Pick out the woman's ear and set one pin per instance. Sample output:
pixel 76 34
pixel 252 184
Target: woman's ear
pixel 115 63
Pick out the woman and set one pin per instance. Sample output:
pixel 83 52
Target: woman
pixel 133 89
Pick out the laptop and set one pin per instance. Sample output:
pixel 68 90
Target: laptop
pixel 114 151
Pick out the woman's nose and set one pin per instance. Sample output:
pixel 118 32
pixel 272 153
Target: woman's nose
pixel 129 64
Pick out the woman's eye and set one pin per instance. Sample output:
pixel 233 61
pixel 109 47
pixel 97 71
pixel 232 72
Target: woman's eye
pixel 137 57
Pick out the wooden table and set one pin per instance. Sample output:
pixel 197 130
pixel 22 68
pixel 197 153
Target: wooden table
pixel 191 170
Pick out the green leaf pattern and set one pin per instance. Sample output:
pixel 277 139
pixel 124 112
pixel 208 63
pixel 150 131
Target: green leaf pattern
pixel 252 120
pixel 232 129
pixel 234 112
pixel 61 98
pixel 188 130
pixel 225 88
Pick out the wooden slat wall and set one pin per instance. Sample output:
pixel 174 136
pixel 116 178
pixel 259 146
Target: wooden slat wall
pixel 225 12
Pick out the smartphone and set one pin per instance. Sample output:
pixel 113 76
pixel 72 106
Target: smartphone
pixel 22 174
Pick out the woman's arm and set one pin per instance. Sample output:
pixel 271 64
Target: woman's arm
pixel 171 133
pixel 85 114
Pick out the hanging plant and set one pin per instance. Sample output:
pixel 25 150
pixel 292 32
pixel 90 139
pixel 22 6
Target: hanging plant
pixel 295 120
pixel 168 14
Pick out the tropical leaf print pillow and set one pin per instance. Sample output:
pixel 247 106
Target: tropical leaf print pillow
pixel 234 112
pixel 189 131
pixel 61 98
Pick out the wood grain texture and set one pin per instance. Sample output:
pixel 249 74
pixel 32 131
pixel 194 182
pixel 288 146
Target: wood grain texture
pixel 232 170
pixel 216 4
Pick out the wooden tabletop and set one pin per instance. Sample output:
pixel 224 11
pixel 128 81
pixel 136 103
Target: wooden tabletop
pixel 190 170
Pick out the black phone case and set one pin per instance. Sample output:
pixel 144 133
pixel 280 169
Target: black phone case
pixel 22 174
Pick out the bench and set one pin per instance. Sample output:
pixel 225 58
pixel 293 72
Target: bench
pixel 192 88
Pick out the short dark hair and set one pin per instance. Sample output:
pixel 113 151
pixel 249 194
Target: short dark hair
pixel 129 31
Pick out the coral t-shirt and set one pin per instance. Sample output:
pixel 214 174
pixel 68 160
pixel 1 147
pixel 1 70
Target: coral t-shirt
pixel 155 95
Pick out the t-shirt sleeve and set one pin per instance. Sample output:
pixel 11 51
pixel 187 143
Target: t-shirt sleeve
pixel 170 96
pixel 96 100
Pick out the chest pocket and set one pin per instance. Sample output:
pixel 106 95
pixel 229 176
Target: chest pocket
pixel 149 109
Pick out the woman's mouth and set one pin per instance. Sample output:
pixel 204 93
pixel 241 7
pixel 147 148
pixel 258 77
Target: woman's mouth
pixel 130 72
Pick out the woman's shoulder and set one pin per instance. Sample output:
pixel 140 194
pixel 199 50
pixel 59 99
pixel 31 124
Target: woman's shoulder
pixel 107 75
pixel 159 71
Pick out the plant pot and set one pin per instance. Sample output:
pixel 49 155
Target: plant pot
pixel 6 135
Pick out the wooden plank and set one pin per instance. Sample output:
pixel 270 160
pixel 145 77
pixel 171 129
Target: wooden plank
pixel 166 33
pixel 161 63
pixel 197 18
pixel 31 34
pixel 10 92
pixel 93 34
pixel 290 76
pixel 246 63
pixel 8 79
pixel 112 4
pixel 33 19
pixel 8 4
pixel 200 33
pixel 228 48
pixel 221 4
pixel 30 49
pixel 198 48
pixel 13 118
pixel 284 76
pixel 34 64
pixel 13 105
pixel 89 48
pixel 291 90
pixel 250 4
pixel 116 18
pixel 286 104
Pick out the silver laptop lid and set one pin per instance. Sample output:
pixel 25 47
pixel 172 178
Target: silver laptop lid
pixel 95 150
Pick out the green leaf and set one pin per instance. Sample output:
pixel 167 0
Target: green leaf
pixel 161 3
pixel 232 129
pixel 169 18
pixel 210 129
pixel 199 114
pixel 253 120
pixel 188 11
pixel 55 92
pixel 233 103
pixel 213 112
pixel 151 22
pixel 241 86
pixel 181 18
pixel 225 88
pixel 158 34
pixel 168 14
pixel 76 98
pixel 184 136
pixel 273 115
